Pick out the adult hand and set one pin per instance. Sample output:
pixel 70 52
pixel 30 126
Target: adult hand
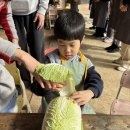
pixel 123 8
pixel 53 86
pixel 82 97
pixel 15 41
pixel 40 19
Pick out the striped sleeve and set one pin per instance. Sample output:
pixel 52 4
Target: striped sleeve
pixel 6 58
pixel 7 22
pixel 7 50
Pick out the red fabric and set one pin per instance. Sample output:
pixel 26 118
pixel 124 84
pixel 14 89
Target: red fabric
pixel 6 58
pixel 4 22
pixel 47 51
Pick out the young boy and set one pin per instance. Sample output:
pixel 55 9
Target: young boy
pixel 69 30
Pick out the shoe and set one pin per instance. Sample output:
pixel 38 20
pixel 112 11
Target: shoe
pixel 93 27
pixel 108 48
pixel 113 46
pixel 100 36
pixel 123 68
pixel 118 61
pixel 107 40
pixel 113 50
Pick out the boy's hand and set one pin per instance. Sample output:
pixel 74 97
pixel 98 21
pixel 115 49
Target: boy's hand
pixel 82 97
pixel 53 86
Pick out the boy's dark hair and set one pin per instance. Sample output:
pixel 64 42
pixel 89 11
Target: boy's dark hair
pixel 70 25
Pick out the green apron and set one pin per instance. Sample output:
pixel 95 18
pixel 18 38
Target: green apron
pixel 79 70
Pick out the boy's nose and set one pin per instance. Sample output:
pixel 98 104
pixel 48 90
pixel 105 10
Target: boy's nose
pixel 68 49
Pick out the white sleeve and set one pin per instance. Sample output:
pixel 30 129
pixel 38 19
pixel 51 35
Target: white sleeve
pixel 43 6
pixel 8 47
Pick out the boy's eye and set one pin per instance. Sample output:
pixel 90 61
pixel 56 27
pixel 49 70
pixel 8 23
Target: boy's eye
pixel 61 45
pixel 72 45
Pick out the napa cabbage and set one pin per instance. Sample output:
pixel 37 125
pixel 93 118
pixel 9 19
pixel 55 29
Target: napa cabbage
pixel 53 72
pixel 62 113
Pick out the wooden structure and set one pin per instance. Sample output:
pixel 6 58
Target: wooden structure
pixel 24 121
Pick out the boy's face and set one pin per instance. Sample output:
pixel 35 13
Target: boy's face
pixel 68 49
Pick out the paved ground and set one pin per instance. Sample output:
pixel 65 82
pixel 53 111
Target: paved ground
pixel 94 49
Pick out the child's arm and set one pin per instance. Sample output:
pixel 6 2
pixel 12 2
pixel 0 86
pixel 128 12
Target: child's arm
pixel 37 89
pixel 82 97
pixel 93 88
pixel 93 82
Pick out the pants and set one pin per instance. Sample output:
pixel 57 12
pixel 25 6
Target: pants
pixel 125 54
pixel 29 39
pixel 74 6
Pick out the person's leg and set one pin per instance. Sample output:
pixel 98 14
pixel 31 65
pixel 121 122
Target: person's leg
pixel 114 47
pixel 35 38
pixel 99 32
pixel 74 6
pixel 109 36
pixel 124 60
pixel 19 24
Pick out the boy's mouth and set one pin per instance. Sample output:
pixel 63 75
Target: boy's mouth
pixel 68 56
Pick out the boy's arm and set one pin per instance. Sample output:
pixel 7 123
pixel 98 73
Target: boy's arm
pixel 37 89
pixel 8 23
pixel 93 82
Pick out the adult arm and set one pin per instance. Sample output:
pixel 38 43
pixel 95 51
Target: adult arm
pixel 8 23
pixel 10 51
pixel 42 7
pixel 7 50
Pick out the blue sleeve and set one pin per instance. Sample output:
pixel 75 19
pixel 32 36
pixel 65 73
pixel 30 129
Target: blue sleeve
pixel 93 82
